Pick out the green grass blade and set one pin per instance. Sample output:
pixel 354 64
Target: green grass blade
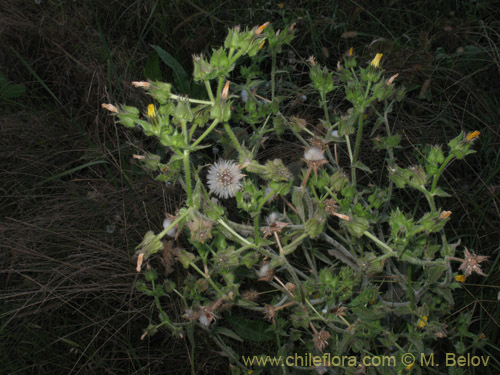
pixel 180 75
pixel 72 170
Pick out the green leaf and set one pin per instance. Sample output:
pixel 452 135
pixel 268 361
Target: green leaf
pixel 362 166
pixel 297 200
pixel 226 332
pixel 152 69
pixel 440 193
pixel 180 76
pixel 435 273
pixel 251 330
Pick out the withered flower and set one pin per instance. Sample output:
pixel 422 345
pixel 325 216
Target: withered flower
pixel 321 339
pixel 472 263
pixel 330 208
pixel 250 295
pixel 265 273
pixel 201 230
pixel 274 226
pixel 270 312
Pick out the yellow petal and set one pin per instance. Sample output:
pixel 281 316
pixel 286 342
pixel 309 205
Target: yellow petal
pixel 261 28
pixel 351 51
pixel 460 278
pixel 422 322
pixel 151 111
pixel 472 135
pixel 376 60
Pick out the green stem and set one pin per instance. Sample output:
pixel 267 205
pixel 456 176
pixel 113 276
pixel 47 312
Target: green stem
pixel 291 246
pixel 325 109
pixel 233 138
pixel 256 230
pixel 210 281
pixel 438 174
pixel 174 223
pixel 273 72
pixel 187 172
pixel 209 92
pixel 231 230
pixel 205 133
pixel 266 198
pixel 381 244
pixel 349 150
pixel 197 101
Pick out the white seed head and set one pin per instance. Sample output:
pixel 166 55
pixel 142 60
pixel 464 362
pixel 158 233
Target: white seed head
pixel 166 223
pixel 224 178
pixel 314 154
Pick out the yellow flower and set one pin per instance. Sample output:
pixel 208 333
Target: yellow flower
pixel 422 322
pixel 460 278
pixel 151 111
pixel 282 5
pixel 262 44
pixel 472 135
pixel 351 51
pixel 261 28
pixel 410 366
pixel 376 60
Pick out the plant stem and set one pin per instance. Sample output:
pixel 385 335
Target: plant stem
pixel 230 132
pixel 273 72
pixel 231 230
pixel 197 101
pixel 174 223
pixel 205 133
pixel 209 92
pixel 440 170
pixel 325 109
pixel 187 172
pixel 291 246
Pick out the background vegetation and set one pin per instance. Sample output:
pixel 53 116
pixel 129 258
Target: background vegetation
pixel 74 204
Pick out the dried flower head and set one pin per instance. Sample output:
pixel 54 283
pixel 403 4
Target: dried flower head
pixel 270 312
pixel 273 225
pixel 311 60
pixel 141 84
pixel 321 340
pixel 207 317
pixel 445 215
pixel 201 230
pixel 109 107
pixel 472 263
pixel 225 90
pixel 251 295
pixel 391 80
pixel 265 273
pixel 224 178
